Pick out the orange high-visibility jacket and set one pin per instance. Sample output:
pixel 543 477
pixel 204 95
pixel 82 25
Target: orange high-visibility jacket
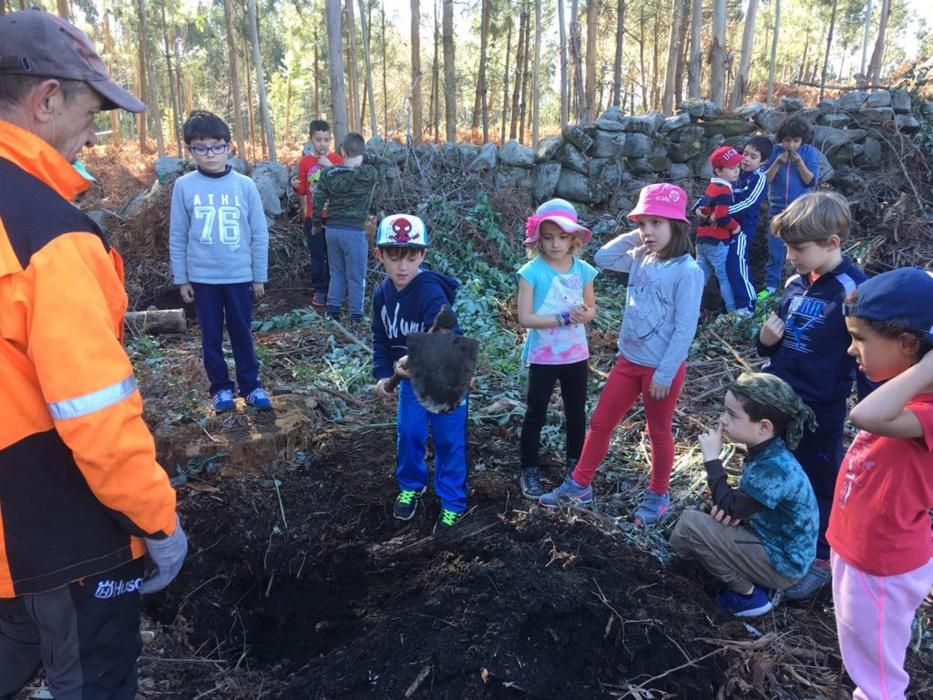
pixel 79 482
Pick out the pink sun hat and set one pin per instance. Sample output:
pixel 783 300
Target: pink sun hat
pixel 662 199
pixel 562 213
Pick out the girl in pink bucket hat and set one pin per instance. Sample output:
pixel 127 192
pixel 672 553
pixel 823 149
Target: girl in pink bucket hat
pixel 555 302
pixel 660 319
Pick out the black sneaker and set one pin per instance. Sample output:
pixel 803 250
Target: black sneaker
pixel 530 483
pixel 406 504
pixel 446 520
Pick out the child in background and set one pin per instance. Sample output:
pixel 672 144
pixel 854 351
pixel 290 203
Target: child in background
pixel 345 193
pixel 792 170
pixel 555 300
pixel 762 535
pixel 806 345
pixel 882 556
pixel 748 192
pixel 309 172
pixel 658 325
pixel 219 248
pixel 408 301
pixel 718 227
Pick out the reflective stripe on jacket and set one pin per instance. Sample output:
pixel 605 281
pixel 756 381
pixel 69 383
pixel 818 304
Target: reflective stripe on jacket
pixel 79 482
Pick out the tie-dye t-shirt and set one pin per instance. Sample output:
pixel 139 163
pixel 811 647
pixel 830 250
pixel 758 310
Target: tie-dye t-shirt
pixel 789 522
pixel 554 293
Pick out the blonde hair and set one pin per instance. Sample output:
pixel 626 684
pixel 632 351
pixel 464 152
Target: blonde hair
pixel 576 243
pixel 814 217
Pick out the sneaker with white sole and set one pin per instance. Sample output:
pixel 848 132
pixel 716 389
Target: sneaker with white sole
pixel 406 503
pixel 756 603
pixel 652 508
pixel 816 577
pixel 530 483
pixel 222 401
pixel 446 520
pixel 259 399
pixel 569 492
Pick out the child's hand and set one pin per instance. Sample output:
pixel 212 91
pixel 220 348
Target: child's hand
pixel 324 160
pixel 772 331
pixel 259 290
pixel 720 516
pixel 783 158
pixel 582 314
pixel 711 443
pixel 401 367
pixel 657 391
pixel 381 390
pixel 187 293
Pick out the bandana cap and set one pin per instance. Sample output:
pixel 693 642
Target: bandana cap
pixel 772 391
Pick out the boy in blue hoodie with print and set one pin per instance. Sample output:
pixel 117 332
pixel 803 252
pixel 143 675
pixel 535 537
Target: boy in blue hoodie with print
pixel 806 343
pixel 408 301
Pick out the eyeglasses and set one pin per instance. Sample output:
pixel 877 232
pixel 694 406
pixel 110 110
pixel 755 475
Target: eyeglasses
pixel 215 148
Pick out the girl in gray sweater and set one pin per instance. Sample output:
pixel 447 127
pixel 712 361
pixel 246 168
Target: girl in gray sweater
pixel 660 320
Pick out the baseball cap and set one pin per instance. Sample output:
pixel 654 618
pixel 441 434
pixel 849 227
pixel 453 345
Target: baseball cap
pixel 560 212
pixel 36 42
pixel 402 231
pixel 661 199
pixel 725 157
pixel 903 296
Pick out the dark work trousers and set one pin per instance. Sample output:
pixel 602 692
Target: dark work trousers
pixel 541 381
pixel 230 304
pixel 85 635
pixel 317 248
pixel 820 454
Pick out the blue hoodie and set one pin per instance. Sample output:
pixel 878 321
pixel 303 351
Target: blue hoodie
pixel 812 357
pixel 787 185
pixel 747 194
pixel 411 310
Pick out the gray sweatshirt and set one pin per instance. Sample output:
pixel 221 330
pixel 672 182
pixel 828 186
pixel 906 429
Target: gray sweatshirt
pixel 662 304
pixel 218 232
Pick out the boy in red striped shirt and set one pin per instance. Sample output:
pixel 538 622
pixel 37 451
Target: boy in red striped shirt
pixel 717 226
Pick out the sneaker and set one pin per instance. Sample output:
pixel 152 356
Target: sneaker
pixel 652 508
pixel 319 300
pixel 812 581
pixel 333 313
pixel 530 483
pixel 446 520
pixel 406 503
pixel 743 313
pixel 765 293
pixel 259 399
pixel 756 603
pixel 222 401
pixel 568 492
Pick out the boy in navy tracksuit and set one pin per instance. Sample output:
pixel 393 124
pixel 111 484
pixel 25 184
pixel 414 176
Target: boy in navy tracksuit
pixel 408 301
pixel 747 192
pixel 806 342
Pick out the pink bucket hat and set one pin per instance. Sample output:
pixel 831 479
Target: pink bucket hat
pixel 562 213
pixel 663 199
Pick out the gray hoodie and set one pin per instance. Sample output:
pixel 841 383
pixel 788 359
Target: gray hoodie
pixel 662 304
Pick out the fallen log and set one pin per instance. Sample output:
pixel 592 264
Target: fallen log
pixel 155 321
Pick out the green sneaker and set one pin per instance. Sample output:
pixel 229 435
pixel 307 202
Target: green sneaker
pixel 446 520
pixel 406 504
pixel 765 293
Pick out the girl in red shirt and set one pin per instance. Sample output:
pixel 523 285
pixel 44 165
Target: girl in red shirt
pixel 879 528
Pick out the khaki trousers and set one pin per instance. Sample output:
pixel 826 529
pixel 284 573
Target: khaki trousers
pixel 734 555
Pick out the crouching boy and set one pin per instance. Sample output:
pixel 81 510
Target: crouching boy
pixel 759 536
pixel 408 301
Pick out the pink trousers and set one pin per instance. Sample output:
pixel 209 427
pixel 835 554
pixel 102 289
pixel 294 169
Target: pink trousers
pixel 874 615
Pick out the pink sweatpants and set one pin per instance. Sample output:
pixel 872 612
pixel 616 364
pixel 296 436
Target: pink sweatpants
pixel 626 382
pixel 874 615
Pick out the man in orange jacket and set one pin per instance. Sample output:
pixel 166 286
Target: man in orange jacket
pixel 82 498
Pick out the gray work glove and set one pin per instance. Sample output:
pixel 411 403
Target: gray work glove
pixel 168 554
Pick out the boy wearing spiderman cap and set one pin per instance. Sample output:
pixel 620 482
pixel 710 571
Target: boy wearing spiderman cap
pixel 717 225
pixel 408 301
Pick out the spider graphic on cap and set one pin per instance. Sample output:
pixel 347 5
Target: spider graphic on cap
pixel 401 231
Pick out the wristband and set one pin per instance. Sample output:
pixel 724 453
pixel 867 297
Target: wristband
pixel 564 318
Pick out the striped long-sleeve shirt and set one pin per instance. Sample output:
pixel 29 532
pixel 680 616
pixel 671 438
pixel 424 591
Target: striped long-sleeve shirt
pixel 714 206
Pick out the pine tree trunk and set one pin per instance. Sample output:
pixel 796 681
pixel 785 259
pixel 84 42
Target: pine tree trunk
pixel 829 44
pixel 260 80
pixel 357 117
pixel 288 102
pixel 108 49
pixel 143 92
pixel 748 40
pixel 673 54
pixel 525 74
pixel 415 71
pixel 641 61
pixel 535 83
pixel 373 128
pixel 176 47
pixel 338 93
pixel 717 54
pixel 592 28
pixel 176 130
pixel 877 56
pixel 864 63
pixel 617 64
pixel 436 77
pixel 696 33
pixel 63 9
pixel 481 75
pixel 316 97
pixel 385 89
pixel 656 62
pixel 774 43
pixel 576 57
pixel 505 81
pixel 519 62
pixel 234 81
pixel 564 96
pixel 155 109
pixel 450 73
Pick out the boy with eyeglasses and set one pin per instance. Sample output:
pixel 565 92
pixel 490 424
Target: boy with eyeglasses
pixel 219 246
